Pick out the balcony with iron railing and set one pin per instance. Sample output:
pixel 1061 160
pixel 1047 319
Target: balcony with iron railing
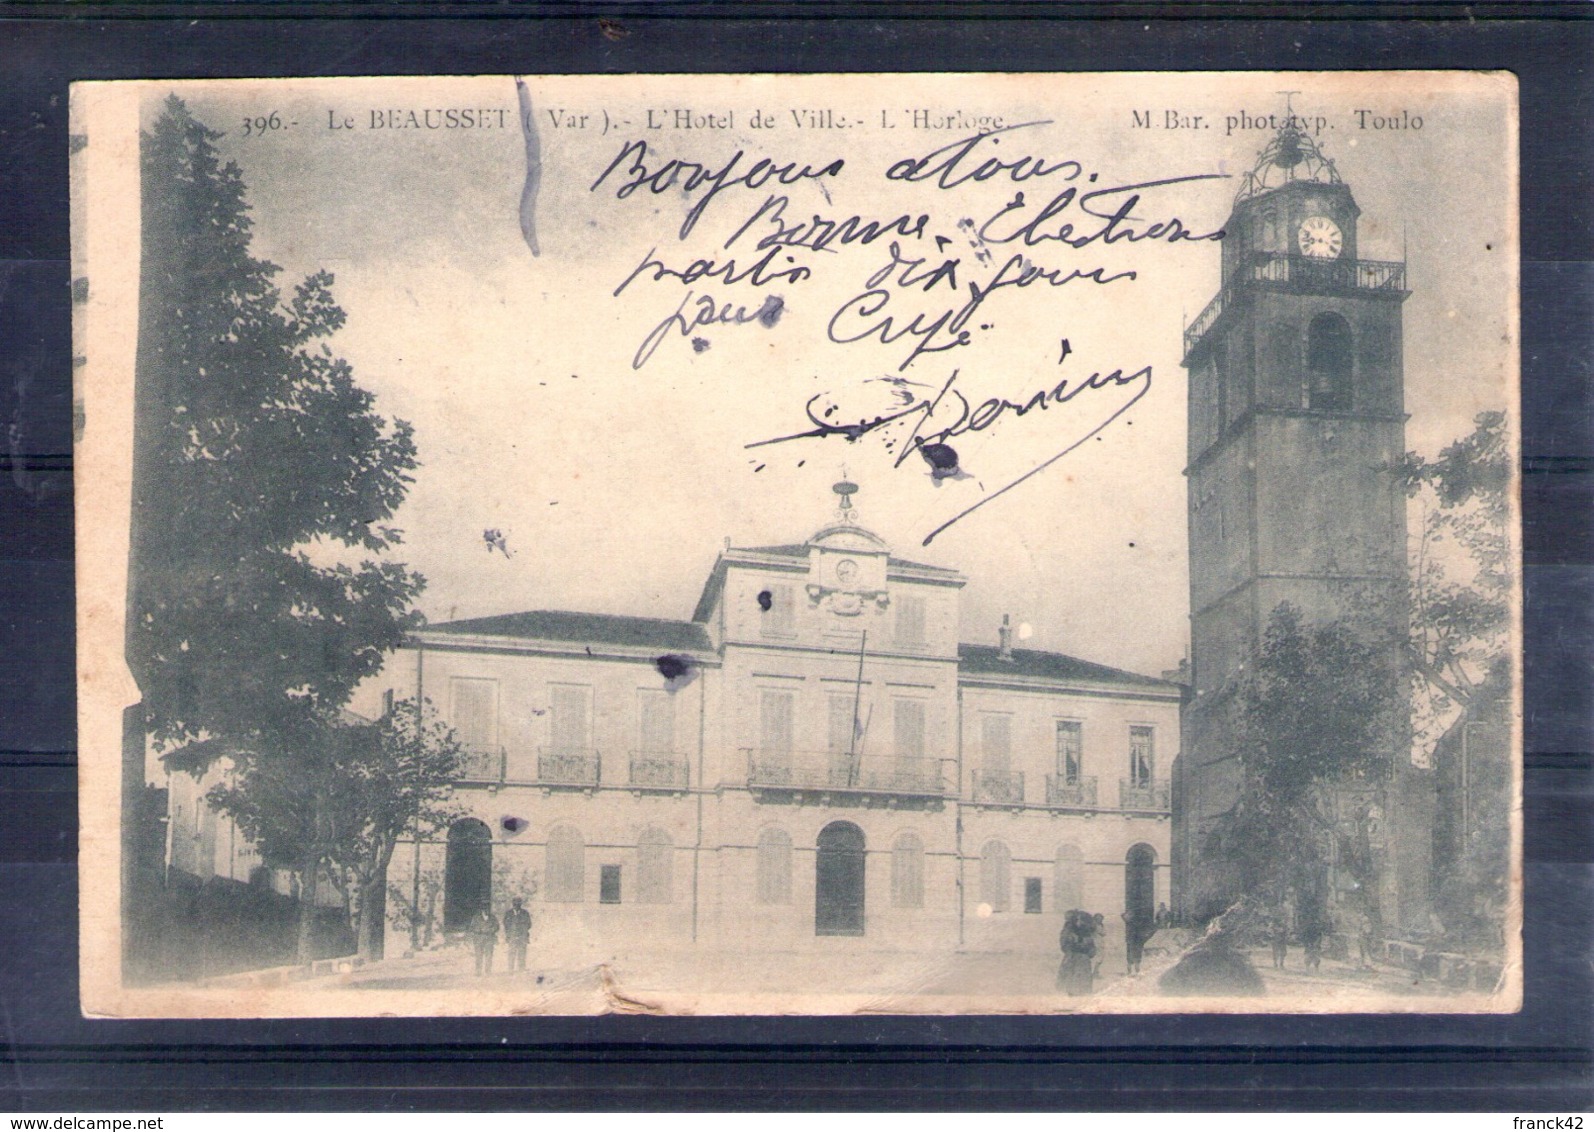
pixel 569 766
pixel 548 766
pixel 997 787
pixel 482 765
pixel 658 770
pixel 1078 792
pixel 1151 796
pixel 1279 270
pixel 771 771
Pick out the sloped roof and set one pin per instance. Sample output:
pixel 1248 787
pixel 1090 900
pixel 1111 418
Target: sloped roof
pixel 587 628
pixel 800 550
pixel 987 660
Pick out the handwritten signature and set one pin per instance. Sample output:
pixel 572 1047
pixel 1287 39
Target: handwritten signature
pixel 934 421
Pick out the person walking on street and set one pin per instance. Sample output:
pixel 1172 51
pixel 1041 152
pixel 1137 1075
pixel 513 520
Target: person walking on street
pixel 517 932
pixel 1278 931
pixel 1077 940
pixel 1137 929
pixel 1364 941
pixel 1312 941
pixel 484 938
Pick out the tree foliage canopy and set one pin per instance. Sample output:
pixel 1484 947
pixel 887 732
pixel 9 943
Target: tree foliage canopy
pixel 374 781
pixel 1463 565
pixel 255 446
pixel 1317 711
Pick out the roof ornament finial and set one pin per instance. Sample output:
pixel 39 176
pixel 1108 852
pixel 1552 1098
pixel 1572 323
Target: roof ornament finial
pixel 846 489
pixel 1292 155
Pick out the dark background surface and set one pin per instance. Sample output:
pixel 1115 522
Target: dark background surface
pixel 54 1060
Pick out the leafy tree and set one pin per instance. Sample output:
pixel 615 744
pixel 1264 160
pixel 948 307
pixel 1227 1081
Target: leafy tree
pixel 254 451
pixel 377 782
pixel 401 780
pixel 1462 575
pixel 1316 717
pixel 1461 569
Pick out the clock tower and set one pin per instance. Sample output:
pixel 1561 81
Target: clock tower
pixel 1296 417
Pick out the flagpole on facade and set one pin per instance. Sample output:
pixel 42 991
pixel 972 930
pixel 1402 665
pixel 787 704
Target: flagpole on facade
pixel 857 697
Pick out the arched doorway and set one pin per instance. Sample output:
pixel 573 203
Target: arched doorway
pixel 1140 885
pixel 838 880
pixel 467 873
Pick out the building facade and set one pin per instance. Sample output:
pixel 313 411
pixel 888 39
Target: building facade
pixel 812 756
pixel 1296 423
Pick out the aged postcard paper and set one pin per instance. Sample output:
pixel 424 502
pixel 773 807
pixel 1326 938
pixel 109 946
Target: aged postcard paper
pixel 752 544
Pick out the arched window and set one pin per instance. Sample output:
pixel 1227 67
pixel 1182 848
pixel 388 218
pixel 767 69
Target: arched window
pixel 907 871
pixel 567 865
pixel 994 867
pixel 1329 351
pixel 774 867
pixel 655 860
pixel 1066 880
pixel 467 873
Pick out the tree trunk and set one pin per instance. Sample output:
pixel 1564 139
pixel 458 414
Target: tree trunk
pixel 309 877
pixel 371 930
pixel 370 933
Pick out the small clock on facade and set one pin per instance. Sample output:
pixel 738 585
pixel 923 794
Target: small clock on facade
pixel 846 571
pixel 1320 238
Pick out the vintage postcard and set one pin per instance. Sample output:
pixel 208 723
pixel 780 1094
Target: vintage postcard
pixel 822 544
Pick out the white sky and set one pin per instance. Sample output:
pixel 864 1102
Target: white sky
pixel 615 486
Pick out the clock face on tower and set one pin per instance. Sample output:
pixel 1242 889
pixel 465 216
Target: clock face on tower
pixel 1319 237
pixel 846 571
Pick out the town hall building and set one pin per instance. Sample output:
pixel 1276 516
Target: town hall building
pixel 812 754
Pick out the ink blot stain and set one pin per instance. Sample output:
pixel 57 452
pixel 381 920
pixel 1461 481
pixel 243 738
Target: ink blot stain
pixel 699 345
pixel 765 600
pixel 678 671
pixel 769 314
pixel 943 461
pixel 513 824
pixel 942 457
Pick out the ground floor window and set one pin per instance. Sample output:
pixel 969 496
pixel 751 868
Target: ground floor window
pixel 1068 873
pixel 567 865
pixel 655 860
pixel 1032 895
pixel 774 867
pixel 907 871
pixel 995 861
pixel 609 884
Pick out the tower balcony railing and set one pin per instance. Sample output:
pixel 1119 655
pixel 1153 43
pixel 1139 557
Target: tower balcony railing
pixel 1134 795
pixel 1325 274
pixel 1079 792
pixel 999 787
pixel 658 770
pixel 842 773
pixel 1345 276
